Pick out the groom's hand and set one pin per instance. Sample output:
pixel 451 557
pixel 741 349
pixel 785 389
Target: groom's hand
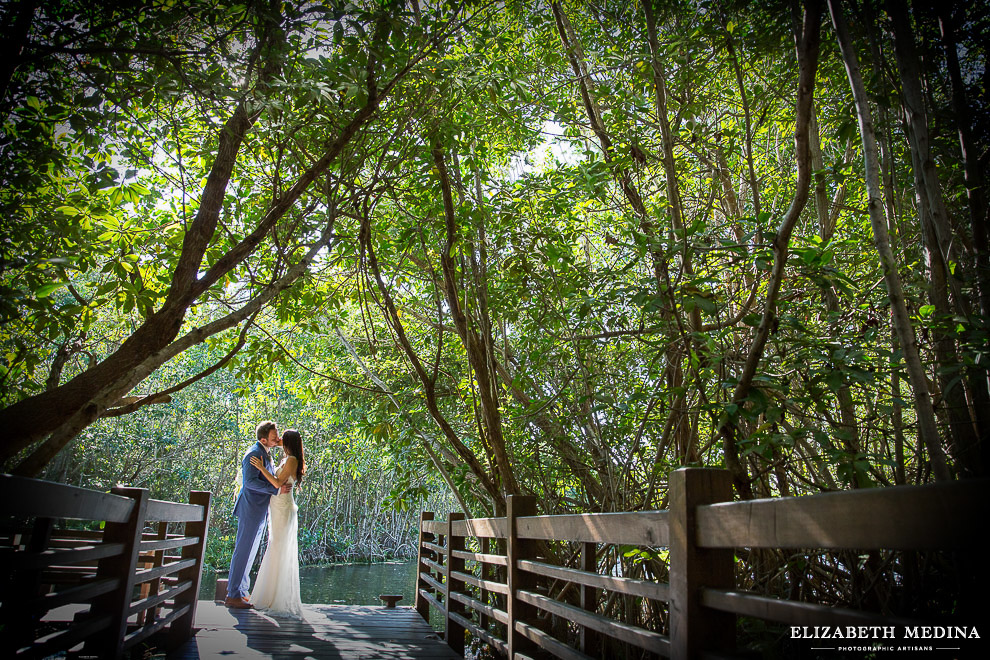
pixel 285 488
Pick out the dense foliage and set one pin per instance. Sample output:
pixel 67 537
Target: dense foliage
pixel 557 248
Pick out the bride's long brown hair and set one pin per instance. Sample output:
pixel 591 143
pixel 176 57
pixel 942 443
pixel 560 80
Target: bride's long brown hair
pixel 292 443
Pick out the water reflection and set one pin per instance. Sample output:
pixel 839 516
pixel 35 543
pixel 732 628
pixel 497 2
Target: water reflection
pixel 350 584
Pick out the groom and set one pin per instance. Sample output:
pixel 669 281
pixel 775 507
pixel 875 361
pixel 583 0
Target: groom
pixel 251 510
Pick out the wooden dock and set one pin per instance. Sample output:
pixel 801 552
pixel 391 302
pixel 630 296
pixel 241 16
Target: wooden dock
pixel 328 632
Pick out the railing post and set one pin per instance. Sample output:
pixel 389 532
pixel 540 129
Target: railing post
pixel 516 549
pixel 117 603
pixel 589 597
pixel 153 587
pixel 485 545
pixel 692 627
pixel 423 605
pixel 181 629
pixel 455 631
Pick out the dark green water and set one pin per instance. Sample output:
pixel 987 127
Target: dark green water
pixel 348 584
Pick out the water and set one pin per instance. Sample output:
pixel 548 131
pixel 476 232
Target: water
pixel 348 584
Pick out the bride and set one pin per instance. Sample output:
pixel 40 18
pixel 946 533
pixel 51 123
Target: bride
pixel 277 586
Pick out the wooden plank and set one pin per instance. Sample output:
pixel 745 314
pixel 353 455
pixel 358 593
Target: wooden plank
pixel 157 599
pixel 931 517
pixel 17 560
pixel 80 593
pixel 794 612
pixel 481 557
pixel 453 629
pixel 79 534
pixel 29 498
pixel 482 634
pixel 694 628
pixel 151 628
pixel 422 553
pixel 329 632
pixel 164 569
pixel 181 627
pixel 66 639
pixel 117 603
pixel 634 528
pixel 433 601
pixel 487 572
pixel 499 615
pixel 646 639
pixel 589 641
pixel 493 528
pixel 434 565
pixel 488 585
pixel 168 543
pixel 624 585
pixel 161 511
pixel 431 581
pixel 153 587
pixel 548 643
pixel 433 526
pixel 439 549
pixel 518 548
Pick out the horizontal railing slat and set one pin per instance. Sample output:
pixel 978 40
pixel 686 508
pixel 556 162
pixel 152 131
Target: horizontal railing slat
pixel 549 643
pixel 76 535
pixel 489 585
pixel 439 549
pixel 53 500
pixel 499 615
pixel 480 633
pixel 432 600
pixel 434 565
pixel 80 593
pixel 151 601
pixel 160 511
pixel 646 639
pixel 633 528
pixel 435 526
pixel 168 544
pixel 433 582
pixel 490 528
pixel 165 569
pixel 149 629
pixel 901 518
pixel 66 639
pixel 793 612
pixel 17 560
pixel 499 560
pixel 624 585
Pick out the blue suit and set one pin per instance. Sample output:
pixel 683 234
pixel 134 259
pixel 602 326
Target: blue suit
pixel 251 510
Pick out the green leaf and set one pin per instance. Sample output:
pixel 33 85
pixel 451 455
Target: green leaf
pixel 46 290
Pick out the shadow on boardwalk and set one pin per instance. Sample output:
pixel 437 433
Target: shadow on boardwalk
pixel 328 632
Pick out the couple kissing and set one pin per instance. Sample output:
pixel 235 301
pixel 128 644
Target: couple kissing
pixel 266 495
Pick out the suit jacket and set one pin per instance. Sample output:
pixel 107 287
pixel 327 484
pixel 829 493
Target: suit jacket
pixel 256 492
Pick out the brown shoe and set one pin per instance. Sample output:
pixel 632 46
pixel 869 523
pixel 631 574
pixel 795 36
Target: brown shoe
pixel 237 603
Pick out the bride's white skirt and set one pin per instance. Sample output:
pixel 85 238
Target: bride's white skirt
pixel 277 586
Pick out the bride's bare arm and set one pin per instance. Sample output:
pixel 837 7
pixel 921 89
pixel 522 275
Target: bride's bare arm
pixel 288 468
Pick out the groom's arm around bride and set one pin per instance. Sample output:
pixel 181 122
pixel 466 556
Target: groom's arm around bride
pixel 251 511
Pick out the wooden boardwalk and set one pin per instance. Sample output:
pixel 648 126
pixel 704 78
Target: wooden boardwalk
pixel 328 632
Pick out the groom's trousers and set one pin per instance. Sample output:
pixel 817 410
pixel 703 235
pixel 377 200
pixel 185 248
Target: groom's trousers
pixel 245 550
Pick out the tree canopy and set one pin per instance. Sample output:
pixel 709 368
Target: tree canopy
pixel 555 247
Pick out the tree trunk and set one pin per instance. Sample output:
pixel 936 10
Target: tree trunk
pixel 807 39
pixel 927 429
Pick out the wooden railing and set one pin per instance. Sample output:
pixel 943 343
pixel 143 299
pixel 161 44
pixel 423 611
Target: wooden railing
pixel 103 591
pixel 700 530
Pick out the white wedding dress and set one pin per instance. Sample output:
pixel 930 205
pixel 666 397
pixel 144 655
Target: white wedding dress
pixel 277 587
